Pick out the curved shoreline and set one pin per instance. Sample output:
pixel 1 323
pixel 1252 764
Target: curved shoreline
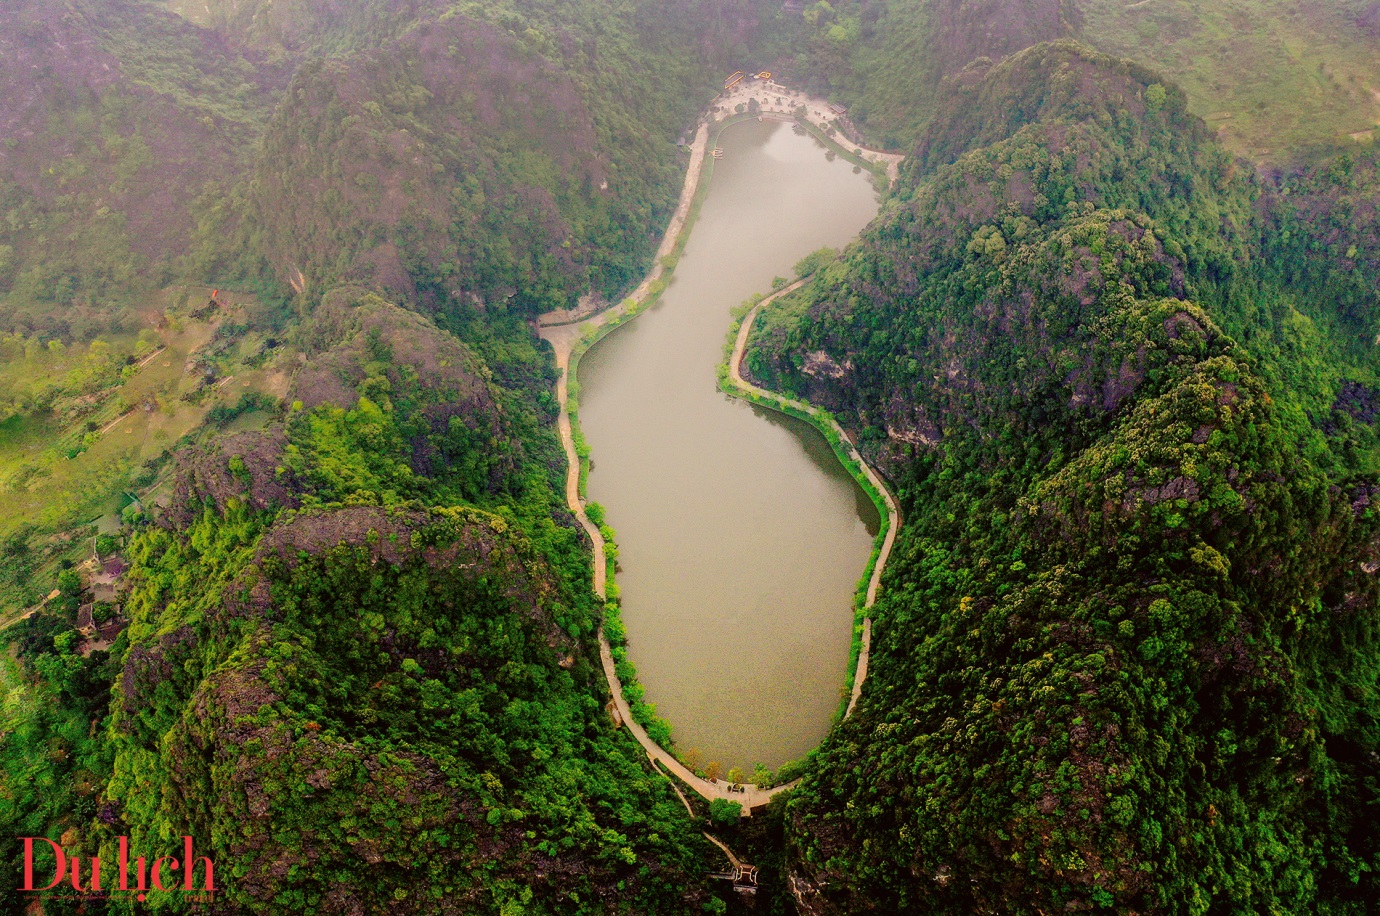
pixel 814 416
pixel 817 115
pixel 570 335
pixel 564 339
pixel 674 230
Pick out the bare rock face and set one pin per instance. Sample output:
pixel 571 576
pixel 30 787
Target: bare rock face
pixel 243 466
pixel 808 900
pixel 818 362
pixel 359 346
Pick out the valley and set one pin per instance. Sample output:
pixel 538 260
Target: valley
pixel 393 503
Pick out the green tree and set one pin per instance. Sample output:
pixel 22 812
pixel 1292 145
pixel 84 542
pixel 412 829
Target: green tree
pixel 725 813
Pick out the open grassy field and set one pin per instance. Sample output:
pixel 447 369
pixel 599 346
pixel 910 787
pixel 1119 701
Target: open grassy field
pixel 1279 79
pixel 86 435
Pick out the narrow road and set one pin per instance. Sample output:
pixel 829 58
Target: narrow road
pixel 893 512
pixel 752 796
pixel 150 358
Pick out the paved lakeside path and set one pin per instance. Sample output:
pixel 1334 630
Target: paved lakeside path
pixel 752 796
pixel 569 317
pixel 893 512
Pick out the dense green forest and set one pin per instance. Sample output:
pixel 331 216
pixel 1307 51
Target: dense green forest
pixel 284 558
pixel 1126 656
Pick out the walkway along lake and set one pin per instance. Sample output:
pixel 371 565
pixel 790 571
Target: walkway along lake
pixel 741 537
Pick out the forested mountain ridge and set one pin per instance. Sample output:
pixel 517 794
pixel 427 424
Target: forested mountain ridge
pixel 515 159
pixel 360 665
pixel 460 160
pixel 360 660
pixel 132 132
pixel 439 655
pixel 117 121
pixel 1126 655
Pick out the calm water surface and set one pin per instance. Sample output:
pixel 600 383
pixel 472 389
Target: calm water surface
pixel 741 537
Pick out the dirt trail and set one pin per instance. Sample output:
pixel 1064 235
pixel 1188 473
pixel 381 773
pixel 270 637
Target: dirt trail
pixel 115 422
pixel 20 619
pixel 893 512
pixel 150 358
pixel 737 862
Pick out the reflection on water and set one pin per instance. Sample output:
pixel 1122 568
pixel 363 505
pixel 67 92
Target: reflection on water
pixel 741 537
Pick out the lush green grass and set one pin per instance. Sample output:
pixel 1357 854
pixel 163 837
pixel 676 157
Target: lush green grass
pixel 1276 79
pixel 86 425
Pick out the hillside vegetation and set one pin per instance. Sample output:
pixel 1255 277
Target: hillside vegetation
pixel 286 565
pixel 459 164
pixel 1126 655
pixel 887 60
pixel 343 631
pixel 119 126
pixel 1280 82
pixel 360 664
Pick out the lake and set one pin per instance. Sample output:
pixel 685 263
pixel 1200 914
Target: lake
pixel 741 537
